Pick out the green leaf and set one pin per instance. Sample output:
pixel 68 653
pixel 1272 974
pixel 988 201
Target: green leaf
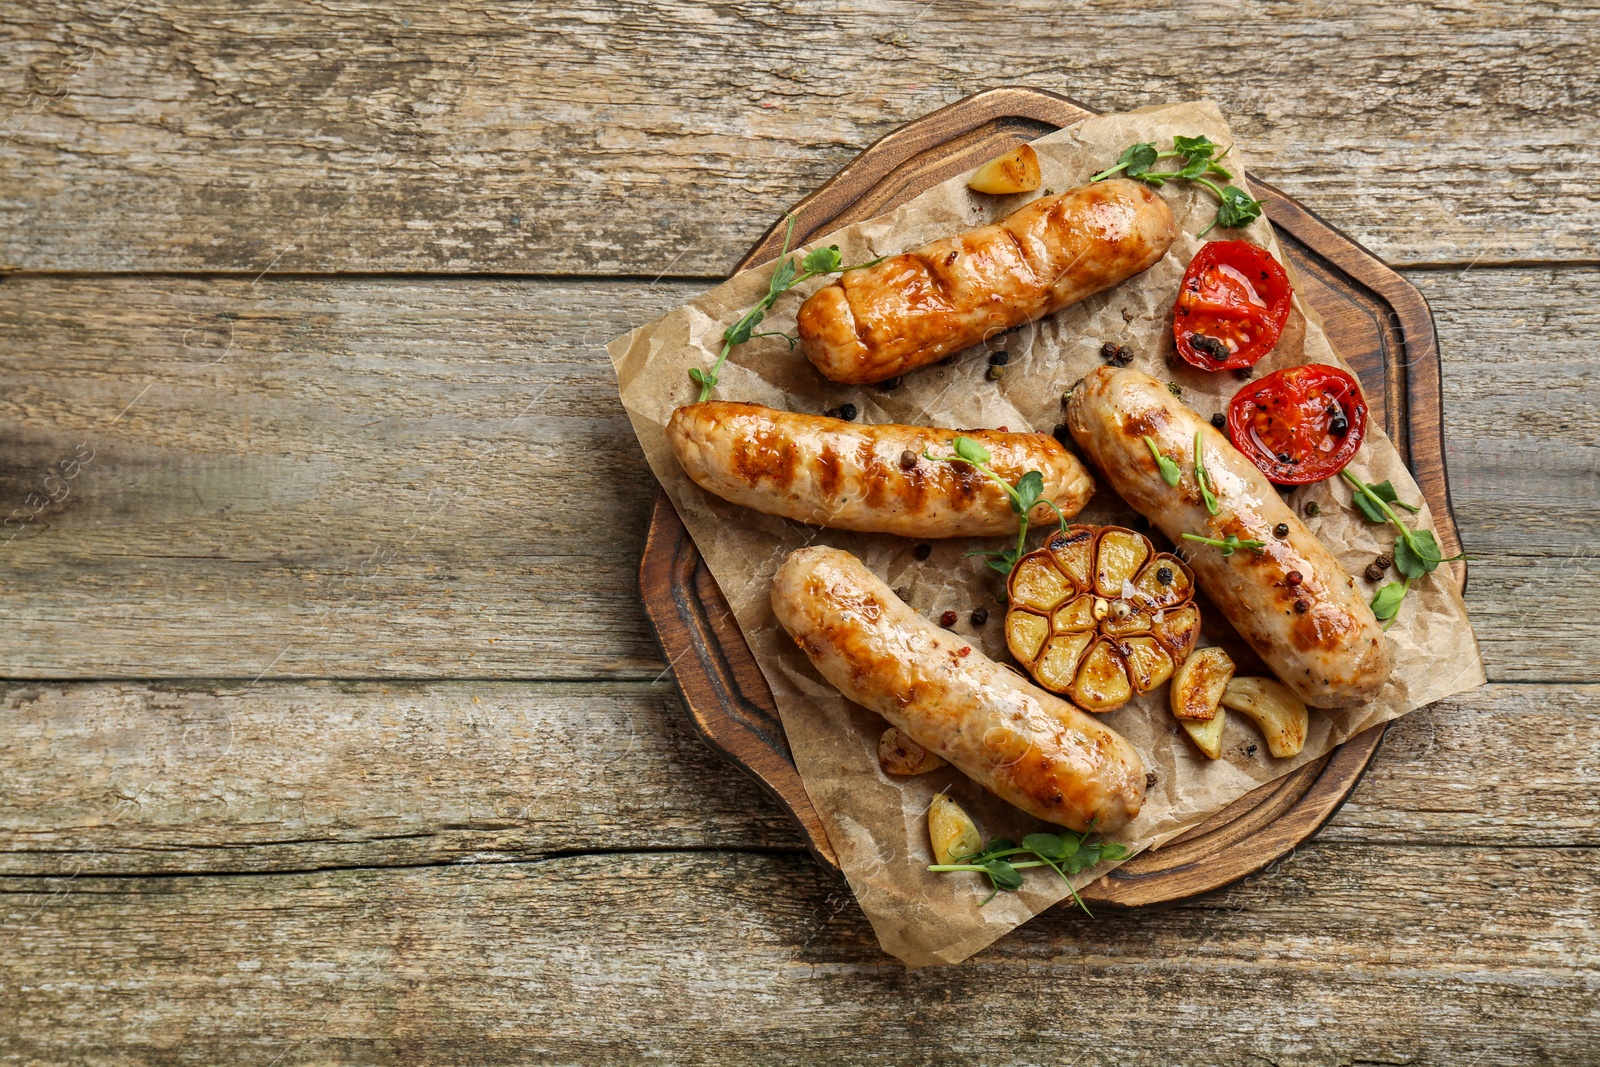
pixel 1167 465
pixel 1195 167
pixel 1030 487
pixel 1387 600
pixel 1418 554
pixel 1114 850
pixel 1237 208
pixel 971 451
pixel 1200 145
pixel 1368 507
pixel 822 260
pixel 1003 875
pixel 698 375
pixel 782 278
pixel 999 844
pixel 739 332
pixel 1050 846
pixel 1213 167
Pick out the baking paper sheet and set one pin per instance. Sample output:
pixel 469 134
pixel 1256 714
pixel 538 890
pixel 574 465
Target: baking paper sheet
pixel 876 823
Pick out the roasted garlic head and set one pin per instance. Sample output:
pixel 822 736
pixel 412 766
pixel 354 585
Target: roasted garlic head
pixel 1098 615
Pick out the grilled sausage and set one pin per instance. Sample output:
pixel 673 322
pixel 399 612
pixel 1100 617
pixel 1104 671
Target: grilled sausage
pixel 1029 748
pixel 1291 601
pixel 913 309
pixel 849 476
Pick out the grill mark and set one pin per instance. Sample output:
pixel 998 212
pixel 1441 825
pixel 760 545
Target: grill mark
pixel 830 474
pixel 1022 254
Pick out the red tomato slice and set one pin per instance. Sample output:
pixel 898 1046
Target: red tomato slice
pixel 1231 306
pixel 1300 425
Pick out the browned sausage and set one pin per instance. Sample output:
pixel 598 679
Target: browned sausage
pixel 913 309
pixel 1029 748
pixel 850 476
pixel 1291 601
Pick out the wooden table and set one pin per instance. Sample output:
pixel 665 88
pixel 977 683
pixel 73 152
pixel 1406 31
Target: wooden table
pixel 333 730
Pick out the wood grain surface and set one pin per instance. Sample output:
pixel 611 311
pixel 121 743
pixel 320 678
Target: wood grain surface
pixel 333 730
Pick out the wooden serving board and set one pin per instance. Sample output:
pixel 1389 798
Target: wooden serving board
pixel 1375 319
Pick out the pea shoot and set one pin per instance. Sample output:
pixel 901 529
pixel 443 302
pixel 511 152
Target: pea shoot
pixel 1416 552
pixel 1202 477
pixel 1028 492
pixel 785 276
pixel 1066 853
pixel 1229 545
pixel 1235 207
pixel 1164 463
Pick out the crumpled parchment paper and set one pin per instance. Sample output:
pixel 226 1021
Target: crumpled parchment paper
pixel 875 823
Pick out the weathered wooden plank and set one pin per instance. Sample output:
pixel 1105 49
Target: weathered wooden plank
pixel 129 778
pixel 197 777
pixel 601 137
pixel 357 477
pixel 1472 956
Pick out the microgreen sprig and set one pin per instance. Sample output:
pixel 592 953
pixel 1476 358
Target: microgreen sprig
pixel 1066 853
pixel 1416 552
pixel 1166 464
pixel 1229 544
pixel 1200 158
pixel 785 276
pixel 1028 492
pixel 1202 477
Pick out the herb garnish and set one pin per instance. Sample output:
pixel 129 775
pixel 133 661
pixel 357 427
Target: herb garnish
pixel 1028 491
pixel 1202 477
pixel 785 276
pixel 1416 552
pixel 1199 154
pixel 1065 853
pixel 1229 544
pixel 1168 466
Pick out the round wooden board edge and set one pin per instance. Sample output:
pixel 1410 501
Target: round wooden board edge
pixel 1300 802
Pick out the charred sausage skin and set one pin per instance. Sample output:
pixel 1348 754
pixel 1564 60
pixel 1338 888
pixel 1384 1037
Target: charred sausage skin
pixel 913 309
pixel 850 476
pixel 1029 748
pixel 1291 601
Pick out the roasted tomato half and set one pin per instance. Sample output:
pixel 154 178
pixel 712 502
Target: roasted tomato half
pixel 1301 424
pixel 1098 615
pixel 1231 306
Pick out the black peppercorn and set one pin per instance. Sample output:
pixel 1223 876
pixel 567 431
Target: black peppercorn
pixel 889 383
pixel 980 616
pixel 847 412
pixel 1281 530
pixel 908 459
pixel 923 551
pixel 947 619
pixel 1243 373
pixel 1214 347
pixel 1108 351
pixel 1164 575
pixel 1313 509
pixel 999 359
pixel 1302 606
pixel 1219 420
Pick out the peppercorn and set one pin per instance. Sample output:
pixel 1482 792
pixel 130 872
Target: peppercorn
pixel 948 619
pixel 1243 373
pixel 1293 578
pixel 980 616
pixel 904 593
pixel 995 373
pixel 908 459
pixel 923 551
pixel 1150 779
pixel 1383 561
pixel 1214 347
pixel 847 412
pixel 1313 509
pixel 1339 425
pixel 1124 356
pixel 1174 388
pixel 1302 606
pixel 1164 575
pixel 1281 530
pixel 1108 351
pixel 1219 420
pixel 1000 358
pixel 1061 433
pixel 889 383
pixel 1375 572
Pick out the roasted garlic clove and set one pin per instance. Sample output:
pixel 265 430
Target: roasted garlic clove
pixel 1206 733
pixel 1098 616
pixel 1198 685
pixel 898 754
pixel 1277 712
pixel 1015 172
pixel 951 831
